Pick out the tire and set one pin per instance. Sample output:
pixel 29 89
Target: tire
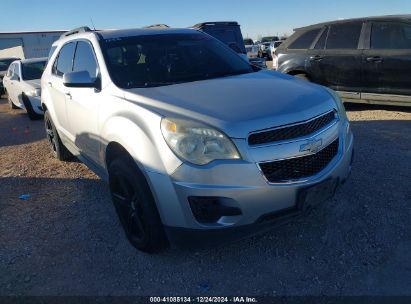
pixel 135 206
pixel 12 106
pixel 57 148
pixel 29 108
pixel 302 76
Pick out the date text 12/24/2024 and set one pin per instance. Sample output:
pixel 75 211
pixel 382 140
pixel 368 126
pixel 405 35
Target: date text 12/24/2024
pixel 203 300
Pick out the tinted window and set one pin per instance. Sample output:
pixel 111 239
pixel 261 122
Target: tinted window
pixel 387 35
pixel 321 41
pixel 84 59
pixel 305 40
pixel 157 60
pixel 33 70
pixel 64 61
pixel 344 36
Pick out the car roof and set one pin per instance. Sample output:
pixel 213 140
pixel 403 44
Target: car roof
pixel 371 18
pixel 199 25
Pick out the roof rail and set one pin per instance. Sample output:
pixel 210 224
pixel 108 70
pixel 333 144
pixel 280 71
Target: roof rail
pixel 157 26
pixel 81 29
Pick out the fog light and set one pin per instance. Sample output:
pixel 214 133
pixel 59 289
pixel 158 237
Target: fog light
pixel 208 209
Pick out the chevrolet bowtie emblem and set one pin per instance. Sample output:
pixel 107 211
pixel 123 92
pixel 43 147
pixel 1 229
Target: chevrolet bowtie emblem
pixel 313 145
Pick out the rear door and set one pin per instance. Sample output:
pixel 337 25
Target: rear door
pixel 339 63
pixel 387 60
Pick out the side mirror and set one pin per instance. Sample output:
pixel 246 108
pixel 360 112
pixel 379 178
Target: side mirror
pixel 80 79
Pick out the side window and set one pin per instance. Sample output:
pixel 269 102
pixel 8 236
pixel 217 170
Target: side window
pixel 305 40
pixel 17 70
pixel 344 36
pixel 64 61
pixel 84 59
pixel 322 40
pixel 10 70
pixel 390 35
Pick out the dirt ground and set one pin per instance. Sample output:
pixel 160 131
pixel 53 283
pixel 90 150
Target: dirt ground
pixel 65 238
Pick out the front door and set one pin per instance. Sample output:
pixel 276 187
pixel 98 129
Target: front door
pixel 83 105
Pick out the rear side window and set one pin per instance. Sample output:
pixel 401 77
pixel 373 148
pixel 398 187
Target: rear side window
pixel 64 61
pixel 84 59
pixel 305 40
pixel 390 35
pixel 344 36
pixel 322 40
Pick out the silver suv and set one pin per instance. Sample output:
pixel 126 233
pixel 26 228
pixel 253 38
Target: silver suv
pixel 170 118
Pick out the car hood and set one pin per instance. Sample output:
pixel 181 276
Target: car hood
pixel 240 104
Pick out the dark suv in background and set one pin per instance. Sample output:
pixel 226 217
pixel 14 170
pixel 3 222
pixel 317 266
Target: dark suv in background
pixel 366 60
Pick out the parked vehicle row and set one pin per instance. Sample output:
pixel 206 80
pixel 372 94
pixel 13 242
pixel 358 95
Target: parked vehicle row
pixel 170 118
pixel 367 60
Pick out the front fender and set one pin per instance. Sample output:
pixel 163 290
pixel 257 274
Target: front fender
pixel 143 142
pixel 154 158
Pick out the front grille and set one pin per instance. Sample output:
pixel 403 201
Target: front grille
pixel 300 167
pixel 291 132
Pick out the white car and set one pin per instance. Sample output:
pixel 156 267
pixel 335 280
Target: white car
pixel 251 48
pixel 273 46
pixel 22 85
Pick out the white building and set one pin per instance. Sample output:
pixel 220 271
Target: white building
pixel 27 44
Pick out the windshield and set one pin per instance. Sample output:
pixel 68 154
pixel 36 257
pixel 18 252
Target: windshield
pixel 165 59
pixel 32 70
pixel 5 63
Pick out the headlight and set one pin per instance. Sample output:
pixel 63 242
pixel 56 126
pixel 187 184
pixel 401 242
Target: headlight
pixel 197 143
pixel 339 103
pixel 35 92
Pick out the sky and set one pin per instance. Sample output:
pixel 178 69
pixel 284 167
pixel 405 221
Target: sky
pixel 257 18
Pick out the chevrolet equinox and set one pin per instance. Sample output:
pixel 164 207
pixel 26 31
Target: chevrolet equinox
pixel 169 118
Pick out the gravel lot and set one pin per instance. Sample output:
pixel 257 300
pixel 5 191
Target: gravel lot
pixel 65 239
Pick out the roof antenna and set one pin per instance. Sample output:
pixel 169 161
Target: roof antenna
pixel 92 23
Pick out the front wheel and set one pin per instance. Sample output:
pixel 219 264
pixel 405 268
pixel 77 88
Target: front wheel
pixel 57 147
pixel 135 206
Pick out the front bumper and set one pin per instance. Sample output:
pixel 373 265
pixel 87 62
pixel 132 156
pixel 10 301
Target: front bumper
pixel 35 103
pixel 243 187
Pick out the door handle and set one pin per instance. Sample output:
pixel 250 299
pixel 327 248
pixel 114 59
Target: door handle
pixel 374 59
pixel 49 84
pixel 68 94
pixel 316 58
